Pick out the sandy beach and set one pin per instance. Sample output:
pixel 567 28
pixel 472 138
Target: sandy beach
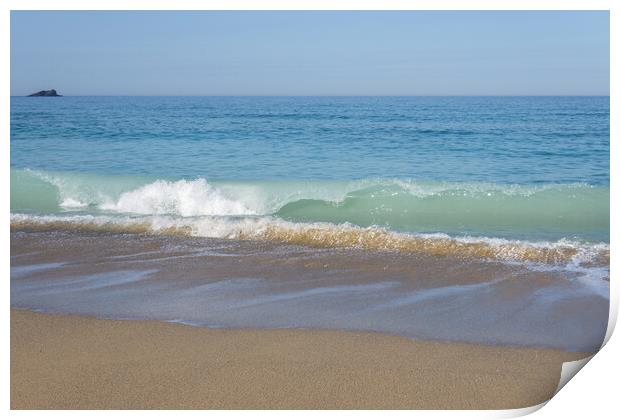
pixel 70 362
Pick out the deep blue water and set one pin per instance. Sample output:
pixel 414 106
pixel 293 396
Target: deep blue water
pixel 521 140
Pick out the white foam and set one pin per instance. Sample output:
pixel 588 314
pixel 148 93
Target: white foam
pixel 429 189
pixel 72 203
pixel 183 198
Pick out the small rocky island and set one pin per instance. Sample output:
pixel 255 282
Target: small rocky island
pixel 51 92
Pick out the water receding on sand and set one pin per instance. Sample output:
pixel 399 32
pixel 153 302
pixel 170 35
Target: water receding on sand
pixel 265 284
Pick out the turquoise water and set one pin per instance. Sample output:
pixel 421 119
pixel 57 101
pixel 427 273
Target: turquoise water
pixel 512 168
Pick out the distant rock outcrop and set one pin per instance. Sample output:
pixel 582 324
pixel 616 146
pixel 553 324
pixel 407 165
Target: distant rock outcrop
pixel 51 92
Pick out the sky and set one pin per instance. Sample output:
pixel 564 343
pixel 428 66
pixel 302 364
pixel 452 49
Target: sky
pixel 311 53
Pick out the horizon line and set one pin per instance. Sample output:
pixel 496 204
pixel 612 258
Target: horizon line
pixel 321 95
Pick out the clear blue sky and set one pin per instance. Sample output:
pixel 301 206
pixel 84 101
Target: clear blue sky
pixel 311 53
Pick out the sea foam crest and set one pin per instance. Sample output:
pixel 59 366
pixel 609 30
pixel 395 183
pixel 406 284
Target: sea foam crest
pixel 184 198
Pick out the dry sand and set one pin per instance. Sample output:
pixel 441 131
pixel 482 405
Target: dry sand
pixel 70 362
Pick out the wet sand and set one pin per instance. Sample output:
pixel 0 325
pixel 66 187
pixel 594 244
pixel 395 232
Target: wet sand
pixel 262 284
pixel 71 362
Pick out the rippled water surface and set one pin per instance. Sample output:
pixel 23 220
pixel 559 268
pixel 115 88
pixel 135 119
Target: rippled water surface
pixel 463 139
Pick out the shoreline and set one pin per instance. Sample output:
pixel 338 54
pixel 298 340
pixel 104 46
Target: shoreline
pixel 262 285
pixel 73 362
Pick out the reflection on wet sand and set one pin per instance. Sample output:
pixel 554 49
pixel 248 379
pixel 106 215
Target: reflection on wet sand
pixel 263 284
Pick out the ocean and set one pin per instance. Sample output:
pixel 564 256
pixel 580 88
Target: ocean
pixel 330 203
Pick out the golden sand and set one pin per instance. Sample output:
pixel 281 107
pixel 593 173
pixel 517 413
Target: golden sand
pixel 69 362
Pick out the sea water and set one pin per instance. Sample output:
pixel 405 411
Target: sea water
pixel 529 168
pixel 510 180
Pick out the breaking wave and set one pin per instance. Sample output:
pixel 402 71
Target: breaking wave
pixel 541 212
pixel 325 235
pixel 469 220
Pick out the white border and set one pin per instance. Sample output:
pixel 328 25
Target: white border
pixel 592 394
